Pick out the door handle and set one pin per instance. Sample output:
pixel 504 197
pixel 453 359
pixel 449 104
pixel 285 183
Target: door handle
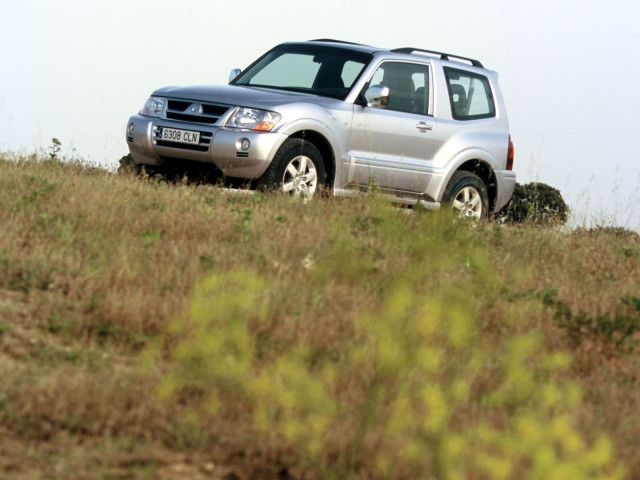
pixel 424 126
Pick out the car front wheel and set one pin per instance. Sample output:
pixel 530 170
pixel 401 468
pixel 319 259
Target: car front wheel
pixel 467 195
pixel 297 169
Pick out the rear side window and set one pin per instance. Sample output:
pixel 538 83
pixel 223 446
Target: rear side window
pixel 470 95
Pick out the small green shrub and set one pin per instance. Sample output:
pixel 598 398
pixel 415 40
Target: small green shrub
pixel 535 203
pixel 54 149
pixel 126 165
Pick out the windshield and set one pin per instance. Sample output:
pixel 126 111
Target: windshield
pixel 315 69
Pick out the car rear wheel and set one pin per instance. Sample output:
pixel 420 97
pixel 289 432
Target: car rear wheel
pixel 297 170
pixel 467 196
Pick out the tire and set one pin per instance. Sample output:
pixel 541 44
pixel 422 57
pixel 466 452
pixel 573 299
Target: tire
pixel 467 195
pixel 297 169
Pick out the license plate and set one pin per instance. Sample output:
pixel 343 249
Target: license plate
pixel 179 136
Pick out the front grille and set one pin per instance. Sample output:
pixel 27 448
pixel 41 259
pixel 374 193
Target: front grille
pixel 195 112
pixel 203 145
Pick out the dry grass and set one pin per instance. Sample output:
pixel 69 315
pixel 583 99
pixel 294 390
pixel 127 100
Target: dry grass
pixel 94 267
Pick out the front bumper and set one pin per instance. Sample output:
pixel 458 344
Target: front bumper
pixel 221 146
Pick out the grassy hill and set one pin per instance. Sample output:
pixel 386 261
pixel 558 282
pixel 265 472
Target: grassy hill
pixel 150 330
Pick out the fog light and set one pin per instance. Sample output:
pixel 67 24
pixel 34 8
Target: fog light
pixel 130 129
pixel 243 144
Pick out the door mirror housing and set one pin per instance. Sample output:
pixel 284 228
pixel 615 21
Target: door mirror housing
pixel 377 96
pixel 233 74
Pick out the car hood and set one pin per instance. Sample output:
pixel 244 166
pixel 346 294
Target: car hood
pixel 233 95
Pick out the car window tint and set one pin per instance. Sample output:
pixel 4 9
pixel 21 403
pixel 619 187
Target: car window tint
pixel 314 69
pixel 408 86
pixel 469 94
pixel 351 71
pixel 289 69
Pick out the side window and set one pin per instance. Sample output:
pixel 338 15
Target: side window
pixel 470 95
pixel 408 86
pixel 350 72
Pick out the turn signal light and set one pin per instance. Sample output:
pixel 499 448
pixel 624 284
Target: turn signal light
pixel 264 126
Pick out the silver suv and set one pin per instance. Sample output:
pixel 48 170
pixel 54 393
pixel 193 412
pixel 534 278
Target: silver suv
pixel 422 126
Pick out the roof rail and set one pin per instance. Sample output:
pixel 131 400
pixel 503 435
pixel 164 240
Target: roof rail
pixel 334 41
pixel 443 56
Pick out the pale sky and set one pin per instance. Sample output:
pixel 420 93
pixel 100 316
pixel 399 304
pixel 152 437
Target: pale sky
pixel 569 71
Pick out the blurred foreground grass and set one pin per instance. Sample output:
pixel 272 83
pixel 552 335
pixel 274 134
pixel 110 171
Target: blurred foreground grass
pixel 150 330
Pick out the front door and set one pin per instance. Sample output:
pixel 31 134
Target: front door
pixel 393 146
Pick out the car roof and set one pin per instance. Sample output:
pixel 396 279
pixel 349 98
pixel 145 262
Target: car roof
pixel 403 51
pixel 341 44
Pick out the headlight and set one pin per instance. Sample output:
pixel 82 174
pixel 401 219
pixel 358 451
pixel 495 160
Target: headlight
pixel 153 107
pixel 254 119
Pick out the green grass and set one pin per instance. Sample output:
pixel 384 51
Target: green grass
pixel 153 330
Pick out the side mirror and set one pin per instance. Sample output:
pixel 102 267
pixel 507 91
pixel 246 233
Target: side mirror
pixel 377 96
pixel 234 73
